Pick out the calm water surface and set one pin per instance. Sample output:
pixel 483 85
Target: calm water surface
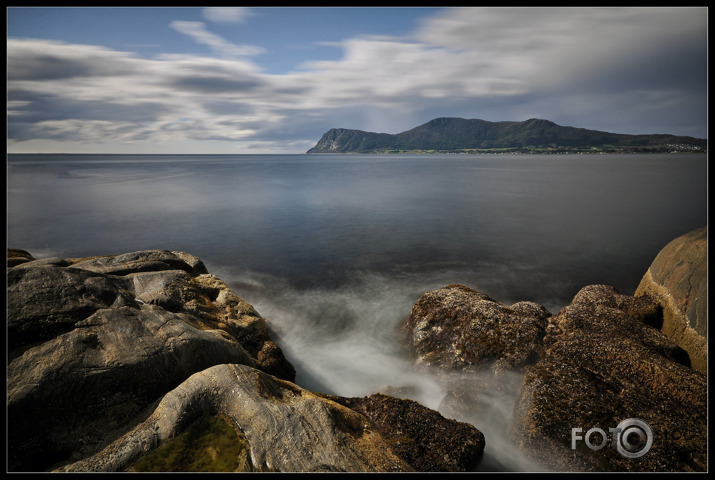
pixel 334 250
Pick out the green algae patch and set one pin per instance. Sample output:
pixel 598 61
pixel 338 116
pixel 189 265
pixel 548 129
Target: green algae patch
pixel 209 444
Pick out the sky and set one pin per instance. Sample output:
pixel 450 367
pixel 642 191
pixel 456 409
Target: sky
pixel 273 80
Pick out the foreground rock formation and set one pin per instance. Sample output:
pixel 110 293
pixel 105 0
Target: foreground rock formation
pixel 111 357
pixel 601 361
pixel 291 429
pixel 456 327
pixel 288 428
pixel 677 280
pixel 604 362
pixel 114 359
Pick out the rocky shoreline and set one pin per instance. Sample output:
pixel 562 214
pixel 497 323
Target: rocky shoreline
pixel 113 359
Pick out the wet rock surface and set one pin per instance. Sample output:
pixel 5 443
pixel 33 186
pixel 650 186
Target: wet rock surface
pixel 603 363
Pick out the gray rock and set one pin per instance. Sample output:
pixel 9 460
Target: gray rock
pixel 45 300
pixel 677 280
pixel 143 261
pixel 215 305
pixel 289 429
pixel 113 356
pixel 92 381
pixel 89 351
pixel 50 261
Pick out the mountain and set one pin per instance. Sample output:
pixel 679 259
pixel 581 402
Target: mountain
pixel 473 135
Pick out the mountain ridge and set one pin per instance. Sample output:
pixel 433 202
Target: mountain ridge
pixel 454 134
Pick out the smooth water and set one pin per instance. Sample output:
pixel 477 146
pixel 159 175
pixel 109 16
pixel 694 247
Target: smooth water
pixel 333 250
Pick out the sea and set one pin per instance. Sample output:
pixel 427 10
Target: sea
pixel 334 250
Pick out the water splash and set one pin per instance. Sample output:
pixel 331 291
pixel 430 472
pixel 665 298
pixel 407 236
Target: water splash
pixel 346 341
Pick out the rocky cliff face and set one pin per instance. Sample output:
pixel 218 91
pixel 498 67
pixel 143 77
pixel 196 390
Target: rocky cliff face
pixel 677 281
pixel 343 140
pixel 112 357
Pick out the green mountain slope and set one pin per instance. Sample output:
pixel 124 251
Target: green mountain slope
pixel 459 134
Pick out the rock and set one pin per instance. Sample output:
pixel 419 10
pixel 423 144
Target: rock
pixel 16 256
pixel 456 327
pixel 677 280
pixel 45 300
pixel 603 362
pixel 424 438
pixel 143 261
pixel 89 350
pixel 289 429
pixel 113 357
pixel 272 361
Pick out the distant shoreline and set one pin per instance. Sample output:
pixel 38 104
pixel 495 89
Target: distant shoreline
pixel 519 152
pixel 402 152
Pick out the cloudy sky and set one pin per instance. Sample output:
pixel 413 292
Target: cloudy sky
pixel 273 80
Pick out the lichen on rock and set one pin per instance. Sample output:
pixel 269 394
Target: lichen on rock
pixel 456 327
pixel 603 362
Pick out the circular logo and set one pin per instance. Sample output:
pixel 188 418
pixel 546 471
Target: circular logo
pixel 635 438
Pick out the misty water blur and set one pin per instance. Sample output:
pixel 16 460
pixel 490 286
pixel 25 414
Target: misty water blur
pixel 347 341
pixel 335 250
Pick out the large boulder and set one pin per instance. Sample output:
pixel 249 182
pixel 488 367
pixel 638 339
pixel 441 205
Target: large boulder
pixel 605 362
pixel 114 359
pixel 677 280
pixel 456 327
pixel 285 427
pixel 94 342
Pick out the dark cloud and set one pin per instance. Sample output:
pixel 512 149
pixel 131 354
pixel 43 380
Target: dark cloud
pixel 44 107
pixel 46 67
pixel 216 85
pixel 228 107
pixel 36 60
pixel 672 65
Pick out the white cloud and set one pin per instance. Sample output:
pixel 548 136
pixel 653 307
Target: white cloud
pixel 197 31
pixel 227 14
